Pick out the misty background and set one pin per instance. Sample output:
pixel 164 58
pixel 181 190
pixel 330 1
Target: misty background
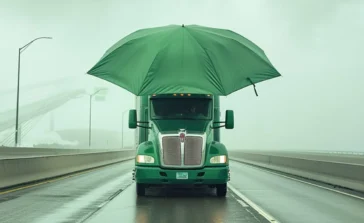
pixel 316 45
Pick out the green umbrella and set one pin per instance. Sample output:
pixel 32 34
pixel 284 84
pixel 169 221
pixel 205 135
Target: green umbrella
pixel 184 59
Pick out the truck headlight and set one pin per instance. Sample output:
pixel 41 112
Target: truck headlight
pixel 218 159
pixel 144 159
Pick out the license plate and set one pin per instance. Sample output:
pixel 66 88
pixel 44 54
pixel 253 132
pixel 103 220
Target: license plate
pixel 182 175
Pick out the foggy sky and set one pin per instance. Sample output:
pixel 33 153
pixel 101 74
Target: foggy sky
pixel 316 45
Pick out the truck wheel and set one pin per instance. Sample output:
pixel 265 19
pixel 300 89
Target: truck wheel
pixel 140 189
pixel 221 190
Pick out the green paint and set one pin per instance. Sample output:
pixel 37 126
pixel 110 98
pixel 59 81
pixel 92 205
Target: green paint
pixel 217 119
pixel 189 59
pixel 163 119
pixel 151 175
pixel 192 126
pixel 179 72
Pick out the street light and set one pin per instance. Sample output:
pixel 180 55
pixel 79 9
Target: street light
pixel 21 49
pixel 122 129
pixel 89 125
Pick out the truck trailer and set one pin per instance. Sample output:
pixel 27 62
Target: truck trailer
pixel 178 141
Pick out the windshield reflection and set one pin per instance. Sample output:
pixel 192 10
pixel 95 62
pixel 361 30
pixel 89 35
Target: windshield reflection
pixel 181 108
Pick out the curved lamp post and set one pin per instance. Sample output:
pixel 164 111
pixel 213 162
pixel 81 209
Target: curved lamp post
pixel 122 129
pixel 90 113
pixel 89 125
pixel 21 49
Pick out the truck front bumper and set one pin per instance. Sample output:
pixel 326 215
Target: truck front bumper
pixel 205 176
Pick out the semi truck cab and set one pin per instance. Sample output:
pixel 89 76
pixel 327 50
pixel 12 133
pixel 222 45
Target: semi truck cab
pixel 178 142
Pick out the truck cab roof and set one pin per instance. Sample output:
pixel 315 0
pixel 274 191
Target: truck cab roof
pixel 181 95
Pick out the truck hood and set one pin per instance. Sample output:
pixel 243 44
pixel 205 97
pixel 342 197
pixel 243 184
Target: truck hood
pixel 173 126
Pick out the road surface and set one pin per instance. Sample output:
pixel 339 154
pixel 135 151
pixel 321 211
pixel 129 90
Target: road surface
pixel 108 195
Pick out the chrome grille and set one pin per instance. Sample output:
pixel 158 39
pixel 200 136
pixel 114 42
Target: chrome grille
pixel 193 150
pixel 171 150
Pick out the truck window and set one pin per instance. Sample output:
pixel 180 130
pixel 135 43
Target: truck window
pixel 181 108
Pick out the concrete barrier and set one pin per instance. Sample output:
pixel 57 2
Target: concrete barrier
pixel 347 175
pixel 18 152
pixel 16 171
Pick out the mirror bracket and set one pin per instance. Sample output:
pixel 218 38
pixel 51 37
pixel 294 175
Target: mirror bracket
pixel 217 127
pixel 145 127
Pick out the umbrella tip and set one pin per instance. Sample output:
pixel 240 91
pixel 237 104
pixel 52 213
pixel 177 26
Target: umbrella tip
pixel 183 25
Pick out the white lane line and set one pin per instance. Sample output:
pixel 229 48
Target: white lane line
pixel 253 205
pixel 103 204
pixel 242 203
pixel 65 212
pixel 305 182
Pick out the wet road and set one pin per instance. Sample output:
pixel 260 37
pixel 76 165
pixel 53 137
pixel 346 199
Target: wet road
pixel 68 199
pixel 177 205
pixel 295 200
pixel 108 195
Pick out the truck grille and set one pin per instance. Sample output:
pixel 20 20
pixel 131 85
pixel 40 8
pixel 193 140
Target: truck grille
pixel 193 150
pixel 172 151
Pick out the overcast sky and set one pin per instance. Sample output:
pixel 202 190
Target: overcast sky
pixel 316 45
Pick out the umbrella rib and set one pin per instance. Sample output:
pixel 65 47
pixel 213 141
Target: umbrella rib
pixel 208 56
pixel 115 47
pixel 147 74
pixel 209 31
pixel 255 54
pixel 250 80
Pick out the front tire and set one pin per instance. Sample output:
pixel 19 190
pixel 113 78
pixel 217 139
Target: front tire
pixel 140 189
pixel 221 190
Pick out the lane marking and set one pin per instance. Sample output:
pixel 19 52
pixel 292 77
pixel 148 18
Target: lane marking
pixel 305 182
pixel 242 203
pixel 68 209
pixel 41 183
pixel 55 179
pixel 252 204
pixel 103 204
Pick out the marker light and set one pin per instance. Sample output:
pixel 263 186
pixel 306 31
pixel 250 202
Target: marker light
pixel 218 159
pixel 144 159
pixel 174 94
pixel 182 137
pixel 181 94
pixel 189 94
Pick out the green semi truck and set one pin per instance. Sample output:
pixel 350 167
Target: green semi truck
pixel 178 142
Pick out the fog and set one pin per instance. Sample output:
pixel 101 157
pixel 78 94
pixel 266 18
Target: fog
pixel 317 104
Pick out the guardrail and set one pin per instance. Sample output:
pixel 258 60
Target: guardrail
pixel 34 164
pixel 347 172
pixel 356 153
pixel 6 152
pixel 17 171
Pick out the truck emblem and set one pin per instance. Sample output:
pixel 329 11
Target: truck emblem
pixel 182 135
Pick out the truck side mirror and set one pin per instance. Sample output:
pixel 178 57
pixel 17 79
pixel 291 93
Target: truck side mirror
pixel 132 119
pixel 229 119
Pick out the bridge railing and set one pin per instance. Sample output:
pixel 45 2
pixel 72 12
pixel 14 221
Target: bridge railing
pixel 356 153
pixel 42 163
pixel 345 171
pixel 20 166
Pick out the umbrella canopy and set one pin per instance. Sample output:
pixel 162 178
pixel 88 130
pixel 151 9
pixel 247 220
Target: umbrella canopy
pixel 184 59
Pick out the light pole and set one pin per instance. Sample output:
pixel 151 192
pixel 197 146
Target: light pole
pixel 21 49
pixel 122 129
pixel 90 116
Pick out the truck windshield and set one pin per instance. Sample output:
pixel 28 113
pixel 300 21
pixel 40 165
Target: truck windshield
pixel 181 108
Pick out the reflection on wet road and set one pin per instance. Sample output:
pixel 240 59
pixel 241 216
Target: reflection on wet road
pixel 66 200
pixel 108 195
pixel 176 205
pixel 289 200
